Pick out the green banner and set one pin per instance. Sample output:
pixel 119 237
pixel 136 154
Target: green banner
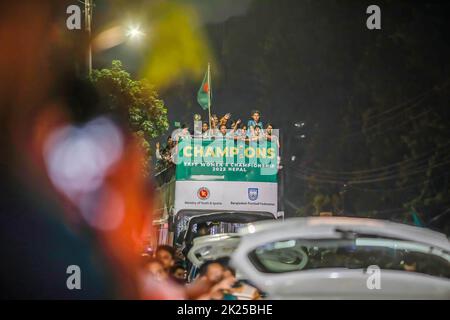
pixel 227 160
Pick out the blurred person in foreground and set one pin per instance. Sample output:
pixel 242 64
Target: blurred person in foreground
pixel 213 274
pixel 156 269
pixel 240 290
pixel 37 223
pixel 72 189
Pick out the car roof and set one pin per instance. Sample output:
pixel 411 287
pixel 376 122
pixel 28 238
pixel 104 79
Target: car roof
pixel 323 226
pixel 217 245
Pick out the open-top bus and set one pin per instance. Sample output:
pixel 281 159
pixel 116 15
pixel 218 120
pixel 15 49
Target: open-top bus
pixel 221 182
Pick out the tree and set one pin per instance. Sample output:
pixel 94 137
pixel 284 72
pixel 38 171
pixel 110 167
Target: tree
pixel 136 99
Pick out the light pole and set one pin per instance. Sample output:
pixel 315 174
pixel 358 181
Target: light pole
pixel 87 26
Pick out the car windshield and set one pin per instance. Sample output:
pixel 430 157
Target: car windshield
pixel 361 252
pixel 209 228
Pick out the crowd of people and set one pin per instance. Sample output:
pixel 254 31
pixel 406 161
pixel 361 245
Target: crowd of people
pixel 227 128
pixel 214 280
pixel 224 128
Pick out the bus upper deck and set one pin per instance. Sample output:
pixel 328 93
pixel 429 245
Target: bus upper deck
pixel 217 174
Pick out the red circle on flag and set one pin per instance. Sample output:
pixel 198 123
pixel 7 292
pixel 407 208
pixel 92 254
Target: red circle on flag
pixel 203 193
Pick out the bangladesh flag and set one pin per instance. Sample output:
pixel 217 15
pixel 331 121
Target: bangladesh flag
pixel 204 93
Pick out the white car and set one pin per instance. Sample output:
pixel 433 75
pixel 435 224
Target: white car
pixel 199 249
pixel 344 258
pixel 213 247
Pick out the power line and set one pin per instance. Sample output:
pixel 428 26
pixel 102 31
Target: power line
pixel 414 166
pixel 303 176
pixel 376 170
pixel 384 190
pixel 361 175
pixel 401 124
pixel 409 101
pixel 421 97
pixel 365 131
pixel 401 105
pixel 375 179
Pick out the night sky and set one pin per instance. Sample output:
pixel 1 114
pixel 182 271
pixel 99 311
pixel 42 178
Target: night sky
pixel 316 62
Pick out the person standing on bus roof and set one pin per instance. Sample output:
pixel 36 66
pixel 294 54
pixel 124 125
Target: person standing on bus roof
pixel 206 133
pixel 253 122
pixel 272 137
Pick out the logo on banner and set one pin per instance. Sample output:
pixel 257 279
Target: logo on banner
pixel 203 193
pixel 253 194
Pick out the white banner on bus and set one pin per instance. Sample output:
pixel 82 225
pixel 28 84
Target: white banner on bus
pixel 230 195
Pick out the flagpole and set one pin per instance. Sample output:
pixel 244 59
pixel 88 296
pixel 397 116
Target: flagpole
pixel 209 96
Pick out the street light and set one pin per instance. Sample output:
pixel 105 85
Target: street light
pixel 111 36
pixel 115 36
pixel 134 32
